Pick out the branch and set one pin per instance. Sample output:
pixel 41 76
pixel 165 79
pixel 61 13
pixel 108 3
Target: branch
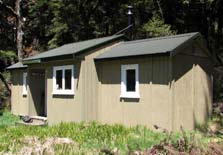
pixel 10 9
pixel 219 70
pixel 160 9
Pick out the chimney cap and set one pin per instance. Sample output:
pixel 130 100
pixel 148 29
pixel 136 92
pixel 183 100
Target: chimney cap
pixel 129 10
pixel 130 7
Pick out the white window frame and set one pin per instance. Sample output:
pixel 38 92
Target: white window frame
pixel 124 92
pixel 24 85
pixel 63 91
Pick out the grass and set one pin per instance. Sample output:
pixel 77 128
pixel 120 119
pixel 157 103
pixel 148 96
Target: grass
pixel 7 119
pixel 89 138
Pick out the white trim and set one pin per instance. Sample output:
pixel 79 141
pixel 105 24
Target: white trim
pixel 63 91
pixel 24 85
pixel 124 93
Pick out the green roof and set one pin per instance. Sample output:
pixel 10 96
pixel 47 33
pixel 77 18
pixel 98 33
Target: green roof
pixel 17 65
pixel 159 45
pixel 71 49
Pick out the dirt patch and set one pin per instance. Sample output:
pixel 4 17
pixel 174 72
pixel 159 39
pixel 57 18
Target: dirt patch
pixel 34 146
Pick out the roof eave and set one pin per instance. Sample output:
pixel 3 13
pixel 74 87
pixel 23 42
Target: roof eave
pixel 201 43
pixel 184 44
pixel 73 55
pixel 17 68
pixel 167 53
pixel 34 61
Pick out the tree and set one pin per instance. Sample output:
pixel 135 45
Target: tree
pixel 19 22
pixel 6 57
pixel 156 27
pixel 10 18
pixel 7 36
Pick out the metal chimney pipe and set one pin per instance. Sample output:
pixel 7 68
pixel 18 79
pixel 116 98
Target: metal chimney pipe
pixel 130 21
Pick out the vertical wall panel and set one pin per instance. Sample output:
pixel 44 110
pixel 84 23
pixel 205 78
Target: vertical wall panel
pixel 192 92
pixel 153 106
pixel 92 84
pixel 183 94
pixel 64 108
pixel 19 103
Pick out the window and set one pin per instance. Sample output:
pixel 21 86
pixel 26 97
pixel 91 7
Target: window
pixel 63 80
pixel 130 81
pixel 24 87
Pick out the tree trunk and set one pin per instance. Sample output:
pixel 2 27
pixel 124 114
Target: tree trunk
pixel 19 37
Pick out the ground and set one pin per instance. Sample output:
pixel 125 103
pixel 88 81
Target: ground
pixel 96 138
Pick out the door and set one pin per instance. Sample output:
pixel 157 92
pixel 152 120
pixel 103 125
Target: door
pixel 37 92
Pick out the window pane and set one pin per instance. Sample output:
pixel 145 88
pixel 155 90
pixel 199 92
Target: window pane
pixel 59 75
pixel 68 79
pixel 130 79
pixel 24 83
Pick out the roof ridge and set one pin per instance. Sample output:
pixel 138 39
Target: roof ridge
pixel 164 37
pixel 92 39
pixel 80 46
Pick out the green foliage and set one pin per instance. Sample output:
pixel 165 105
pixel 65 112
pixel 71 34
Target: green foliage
pixel 215 124
pixel 58 26
pixel 7 54
pixel 141 139
pixel 7 119
pixel 53 23
pixel 6 58
pixel 156 27
pixel 4 94
pixel 7 35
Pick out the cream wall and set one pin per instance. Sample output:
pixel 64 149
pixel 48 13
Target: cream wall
pixel 19 102
pixel 89 78
pixel 83 105
pixel 153 107
pixel 64 107
pixel 192 88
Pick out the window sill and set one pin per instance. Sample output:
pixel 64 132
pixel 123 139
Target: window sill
pixel 130 95
pixel 63 93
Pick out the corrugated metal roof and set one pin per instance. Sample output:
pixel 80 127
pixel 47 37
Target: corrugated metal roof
pixel 73 48
pixel 17 65
pixel 157 45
